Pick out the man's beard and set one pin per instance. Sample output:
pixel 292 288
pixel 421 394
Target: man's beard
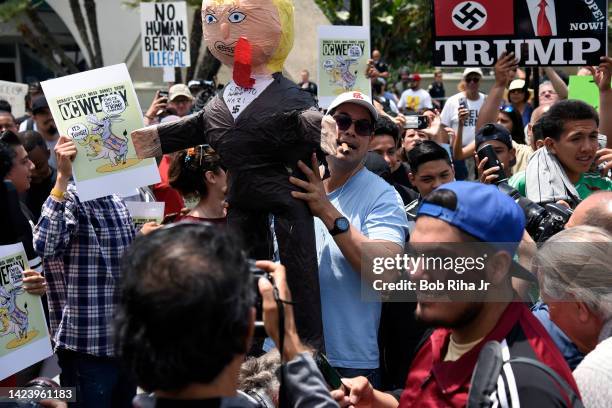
pixel 462 320
pixel 52 130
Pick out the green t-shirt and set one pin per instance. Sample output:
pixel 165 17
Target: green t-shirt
pixel 587 185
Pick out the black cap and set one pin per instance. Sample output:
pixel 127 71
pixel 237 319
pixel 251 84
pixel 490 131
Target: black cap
pixel 39 103
pixel 493 131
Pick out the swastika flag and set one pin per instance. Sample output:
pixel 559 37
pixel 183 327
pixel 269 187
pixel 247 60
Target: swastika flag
pixel 474 17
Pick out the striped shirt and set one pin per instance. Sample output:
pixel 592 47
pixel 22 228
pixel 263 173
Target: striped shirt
pixel 81 244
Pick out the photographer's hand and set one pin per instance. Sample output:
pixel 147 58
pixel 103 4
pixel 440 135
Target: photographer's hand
pixel 362 395
pixel 292 344
pixel 158 103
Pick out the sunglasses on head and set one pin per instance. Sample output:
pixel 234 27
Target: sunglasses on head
pixel 363 127
pixel 474 79
pixel 507 108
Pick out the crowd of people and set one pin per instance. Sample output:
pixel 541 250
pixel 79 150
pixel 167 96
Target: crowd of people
pixel 171 308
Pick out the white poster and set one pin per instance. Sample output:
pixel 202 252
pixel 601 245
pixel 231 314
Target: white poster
pixel 164 35
pixel 343 59
pixel 143 212
pixel 99 109
pixel 14 94
pixel 24 338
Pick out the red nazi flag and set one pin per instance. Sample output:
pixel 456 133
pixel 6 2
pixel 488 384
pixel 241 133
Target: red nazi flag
pixel 460 18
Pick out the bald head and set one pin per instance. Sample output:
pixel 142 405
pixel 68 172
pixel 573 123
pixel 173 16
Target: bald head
pixel 535 116
pixel 595 210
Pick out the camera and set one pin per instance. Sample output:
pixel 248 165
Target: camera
pixel 542 222
pixel 256 274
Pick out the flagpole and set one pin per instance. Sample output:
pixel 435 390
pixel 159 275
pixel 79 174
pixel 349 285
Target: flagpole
pixel 365 13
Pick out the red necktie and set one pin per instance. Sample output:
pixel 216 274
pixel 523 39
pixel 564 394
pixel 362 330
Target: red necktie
pixel 544 29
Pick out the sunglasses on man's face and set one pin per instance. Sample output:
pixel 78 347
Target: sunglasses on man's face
pixel 472 79
pixel 363 127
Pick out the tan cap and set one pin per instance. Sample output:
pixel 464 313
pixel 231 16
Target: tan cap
pixel 179 90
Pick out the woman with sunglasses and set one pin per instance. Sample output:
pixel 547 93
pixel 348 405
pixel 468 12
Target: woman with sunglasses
pixel 518 97
pixel 198 172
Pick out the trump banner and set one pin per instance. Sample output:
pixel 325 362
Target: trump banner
pixel 539 32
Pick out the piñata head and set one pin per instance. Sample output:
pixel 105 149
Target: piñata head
pixel 258 33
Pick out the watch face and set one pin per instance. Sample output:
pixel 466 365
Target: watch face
pixel 342 224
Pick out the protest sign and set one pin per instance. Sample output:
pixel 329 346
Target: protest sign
pixel 99 109
pixel 583 88
pixel 343 59
pixel 24 338
pixel 476 32
pixel 14 94
pixel 143 212
pixel 164 35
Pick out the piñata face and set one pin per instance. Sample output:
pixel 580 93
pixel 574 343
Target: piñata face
pixel 225 21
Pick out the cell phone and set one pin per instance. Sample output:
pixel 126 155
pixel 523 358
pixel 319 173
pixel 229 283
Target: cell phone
pixel 170 218
pixel 163 94
pixel 492 161
pixel 463 103
pixel 330 374
pixel 416 122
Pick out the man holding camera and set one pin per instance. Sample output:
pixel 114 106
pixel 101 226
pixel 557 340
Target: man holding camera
pixel 440 375
pixel 177 101
pixel 187 316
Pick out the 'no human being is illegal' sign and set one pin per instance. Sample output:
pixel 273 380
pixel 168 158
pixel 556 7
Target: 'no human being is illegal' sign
pixel 164 33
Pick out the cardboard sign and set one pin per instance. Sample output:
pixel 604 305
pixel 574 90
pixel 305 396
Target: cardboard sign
pixel 24 338
pixel 164 35
pixel 343 59
pixel 584 89
pixel 14 94
pixel 143 212
pixel 553 33
pixel 99 109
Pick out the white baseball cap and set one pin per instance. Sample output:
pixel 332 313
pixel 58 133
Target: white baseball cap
pixel 357 98
pixel 179 90
pixel 472 70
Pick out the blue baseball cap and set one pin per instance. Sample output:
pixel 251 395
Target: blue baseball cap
pixel 487 214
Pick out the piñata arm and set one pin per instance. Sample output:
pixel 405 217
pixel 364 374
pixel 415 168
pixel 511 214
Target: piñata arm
pixel 153 141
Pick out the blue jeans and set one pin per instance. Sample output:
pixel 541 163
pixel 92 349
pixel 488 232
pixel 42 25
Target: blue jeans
pixel 99 381
pixel 372 374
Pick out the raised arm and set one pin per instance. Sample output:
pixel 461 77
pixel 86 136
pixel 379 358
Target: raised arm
pixel 557 82
pixel 504 68
pixel 602 79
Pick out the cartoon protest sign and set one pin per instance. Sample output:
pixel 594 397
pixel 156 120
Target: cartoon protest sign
pixel 143 212
pixel 14 94
pixel 24 338
pixel 164 34
pixel 98 109
pixel 343 59
pixel 544 33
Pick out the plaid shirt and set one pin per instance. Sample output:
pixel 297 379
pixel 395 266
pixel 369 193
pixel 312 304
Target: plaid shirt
pixel 81 244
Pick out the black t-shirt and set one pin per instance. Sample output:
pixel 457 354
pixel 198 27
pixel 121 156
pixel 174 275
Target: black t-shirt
pixel 310 87
pixel 436 90
pixel 381 66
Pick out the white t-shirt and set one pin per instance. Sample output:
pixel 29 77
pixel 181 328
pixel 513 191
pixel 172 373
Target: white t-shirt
pixel 450 115
pixel 415 100
pixel 238 98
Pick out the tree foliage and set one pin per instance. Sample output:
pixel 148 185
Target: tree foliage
pixel 400 29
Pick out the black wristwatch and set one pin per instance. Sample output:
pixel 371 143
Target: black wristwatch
pixel 341 224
